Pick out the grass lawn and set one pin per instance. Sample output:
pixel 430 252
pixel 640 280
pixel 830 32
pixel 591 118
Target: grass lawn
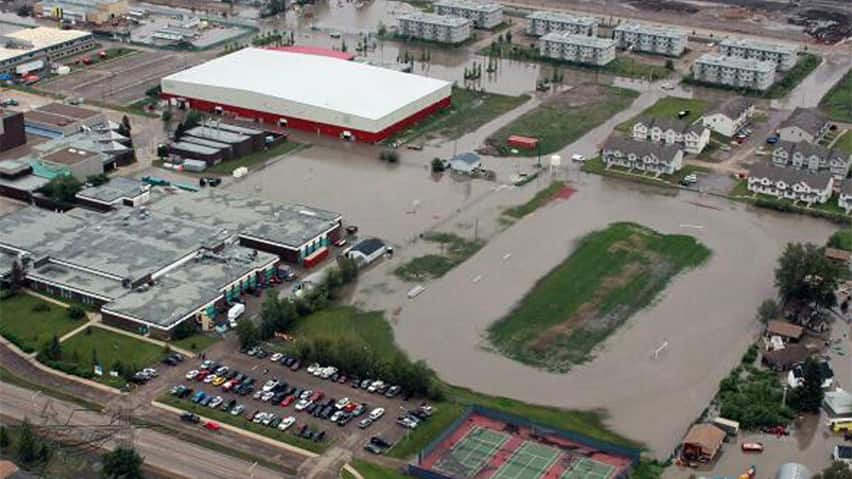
pixel 841 239
pixel 838 101
pixel 197 342
pixel 240 421
pixel 563 118
pixel 374 471
pixel 254 159
pixel 109 347
pixel 667 107
pixel 595 165
pixel 613 273
pixel 370 328
pixel 469 112
pixel 29 328
pixel 845 142
pixel 454 251
pixel 540 199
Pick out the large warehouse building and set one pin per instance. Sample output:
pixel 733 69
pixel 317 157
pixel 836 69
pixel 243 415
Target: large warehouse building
pixel 309 92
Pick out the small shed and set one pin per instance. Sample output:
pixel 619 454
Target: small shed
pixel 784 359
pixel 838 403
pixel 839 256
pixel 367 251
pixel 785 329
pixel 465 163
pixel 522 142
pixel 702 443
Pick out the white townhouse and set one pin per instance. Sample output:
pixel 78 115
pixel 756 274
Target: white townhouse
pixel 642 155
pixel 791 184
pixel 693 136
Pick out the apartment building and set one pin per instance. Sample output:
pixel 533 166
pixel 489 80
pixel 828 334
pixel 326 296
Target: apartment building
pixel 436 28
pixel 656 158
pixel 483 14
pixel 31 49
pixel 790 184
pixel 650 39
pixel 811 157
pixel 540 23
pixel 694 137
pixel 783 56
pixel 96 12
pixel 577 48
pixel 734 72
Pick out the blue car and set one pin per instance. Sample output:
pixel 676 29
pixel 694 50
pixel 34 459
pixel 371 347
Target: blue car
pixel 772 140
pixel 199 396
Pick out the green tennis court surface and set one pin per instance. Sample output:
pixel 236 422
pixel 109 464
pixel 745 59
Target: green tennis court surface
pixel 585 468
pixel 529 461
pixel 472 452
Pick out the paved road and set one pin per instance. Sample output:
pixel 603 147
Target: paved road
pixel 178 458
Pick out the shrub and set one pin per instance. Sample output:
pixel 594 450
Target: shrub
pixel 437 165
pixel 390 156
pixel 41 307
pixel 751 355
pixel 76 312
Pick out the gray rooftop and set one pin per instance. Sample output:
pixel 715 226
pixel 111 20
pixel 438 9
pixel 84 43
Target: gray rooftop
pixel 756 45
pixel 810 120
pixel 642 148
pixel 680 126
pixel 732 108
pixel 811 149
pixel 233 128
pixel 26 183
pixel 562 18
pixel 216 145
pixel 285 224
pixel 215 134
pixel 579 40
pixel 195 148
pixel 727 61
pixel 846 187
pixel 434 19
pixel 13 167
pixel 116 189
pixel 790 176
pixel 90 283
pixel 470 5
pixel 651 30
pixel 186 289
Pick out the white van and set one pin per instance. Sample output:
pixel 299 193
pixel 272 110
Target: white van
pixel 235 312
pixel 731 428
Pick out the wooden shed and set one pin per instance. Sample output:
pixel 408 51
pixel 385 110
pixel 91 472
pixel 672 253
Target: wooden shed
pixel 702 443
pixel 784 329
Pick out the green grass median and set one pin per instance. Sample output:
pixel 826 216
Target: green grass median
pixel 30 322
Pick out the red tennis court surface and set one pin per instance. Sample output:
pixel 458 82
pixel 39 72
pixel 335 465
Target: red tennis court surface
pixel 566 192
pixel 485 448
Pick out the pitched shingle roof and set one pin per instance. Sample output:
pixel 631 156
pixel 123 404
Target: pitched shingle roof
pixel 808 119
pixel 791 176
pixel 642 148
pixel 732 108
pixel 811 149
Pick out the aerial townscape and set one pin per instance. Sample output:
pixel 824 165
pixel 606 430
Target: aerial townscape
pixel 431 239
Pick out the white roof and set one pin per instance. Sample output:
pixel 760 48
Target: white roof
pixel 39 38
pixel 347 87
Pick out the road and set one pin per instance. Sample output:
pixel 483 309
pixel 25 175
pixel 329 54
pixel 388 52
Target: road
pixel 162 451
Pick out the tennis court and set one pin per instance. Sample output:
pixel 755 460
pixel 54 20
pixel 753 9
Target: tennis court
pixel 586 468
pixel 529 460
pixel 472 452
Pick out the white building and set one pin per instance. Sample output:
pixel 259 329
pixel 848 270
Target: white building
pixel 845 198
pixel 436 28
pixel 367 251
pixel 642 156
pixel 790 184
pixel 804 124
pixel 734 72
pixel 542 22
pixel 577 48
pixel 31 49
pixel 650 39
pixel 811 157
pixel 694 137
pixel 313 93
pixel 783 56
pixel 482 14
pixel 729 117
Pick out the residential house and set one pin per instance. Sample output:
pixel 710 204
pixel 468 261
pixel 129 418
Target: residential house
pixel 791 184
pixel 811 157
pixel 656 158
pixel 804 124
pixel 702 443
pixel 785 329
pixel 784 359
pixel 465 163
pixel 729 117
pixel 693 136
pixel 845 198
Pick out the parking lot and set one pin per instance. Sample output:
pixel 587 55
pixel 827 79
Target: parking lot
pixel 291 399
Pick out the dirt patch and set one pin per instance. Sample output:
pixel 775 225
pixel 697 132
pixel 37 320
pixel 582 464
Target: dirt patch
pixel 583 94
pixel 665 5
pixel 828 26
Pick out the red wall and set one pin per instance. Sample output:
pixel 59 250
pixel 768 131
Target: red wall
pixel 323 128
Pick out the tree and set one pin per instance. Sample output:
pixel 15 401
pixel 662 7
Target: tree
pixel 247 332
pixel 27 443
pixel 25 11
pixel 163 150
pixel 97 180
pixel 76 312
pixel 509 36
pixel 4 437
pixel 768 310
pixel 437 165
pixel 166 116
pixel 837 470
pixel 808 397
pixel 382 29
pixel 669 65
pixel 62 188
pixel 805 274
pixel 53 349
pixel 123 463
pixel 184 330
pixel 17 275
pixel 343 47
pixel 125 127
pixel 193 118
pixel 348 269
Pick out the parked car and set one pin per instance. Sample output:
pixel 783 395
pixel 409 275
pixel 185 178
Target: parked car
pixel 288 400
pixel 689 180
pixel 276 357
pixel 375 414
pixel 772 140
pixel 190 418
pixel 286 423
pixel 302 404
pixel 237 410
pixel 392 391
pixel 342 403
pixel 212 426
pixel 215 402
pixel 374 449
pixel 365 423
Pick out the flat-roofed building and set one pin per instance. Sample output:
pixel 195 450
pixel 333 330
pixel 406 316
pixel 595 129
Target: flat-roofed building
pixel 734 72
pixel 650 39
pixel 31 49
pixel 543 22
pixel 12 132
pixel 86 11
pixel 482 14
pixel 783 56
pixel 78 162
pixel 577 48
pixel 55 120
pixel 435 28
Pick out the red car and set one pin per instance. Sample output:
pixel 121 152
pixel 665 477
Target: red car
pixel 350 407
pixel 212 426
pixel 288 401
pixel 317 396
pixel 201 375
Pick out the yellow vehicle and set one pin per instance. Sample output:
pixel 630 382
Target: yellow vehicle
pixel 219 381
pixel 840 424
